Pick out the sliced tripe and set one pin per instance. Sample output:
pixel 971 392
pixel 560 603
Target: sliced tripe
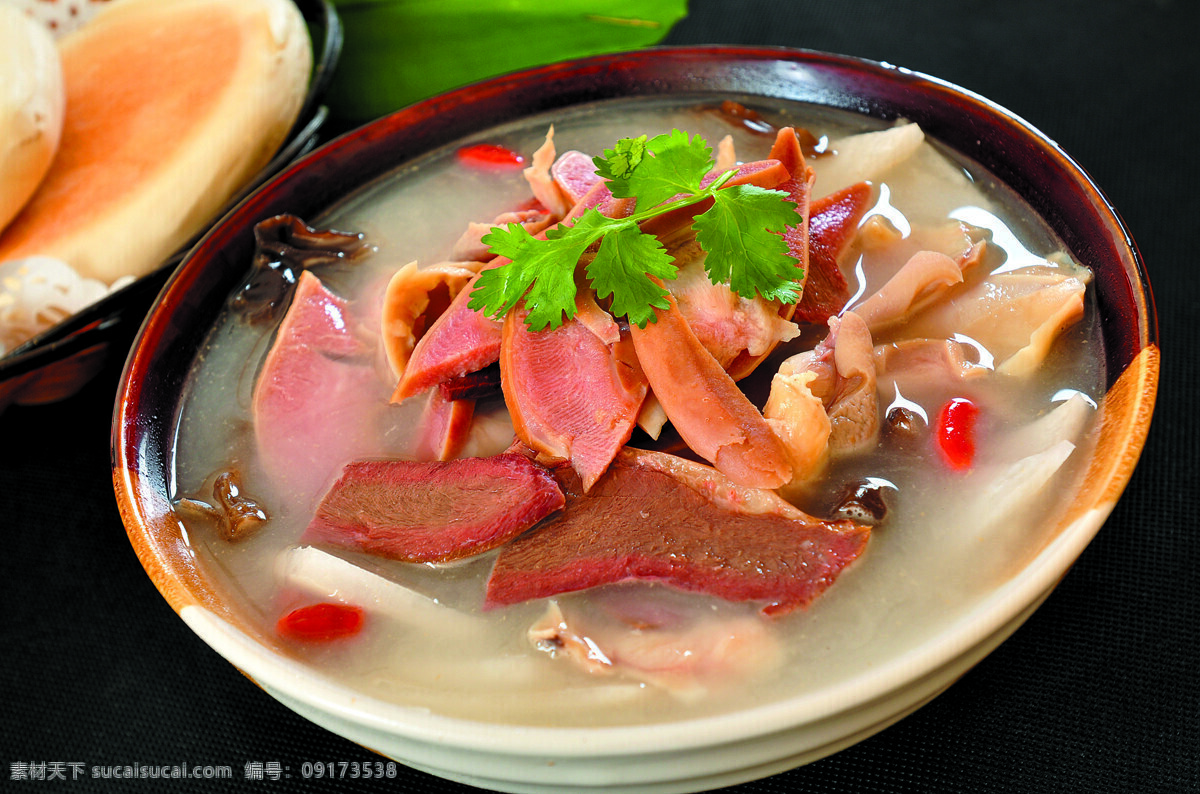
pixel 415 297
pixel 866 156
pixel 683 645
pixel 1015 315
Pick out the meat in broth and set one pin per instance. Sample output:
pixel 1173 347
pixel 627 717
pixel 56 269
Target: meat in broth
pixel 614 522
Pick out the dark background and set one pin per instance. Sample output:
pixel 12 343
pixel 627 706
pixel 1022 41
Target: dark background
pixel 1098 692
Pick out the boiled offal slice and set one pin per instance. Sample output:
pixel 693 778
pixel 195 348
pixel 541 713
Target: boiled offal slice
pixel 434 511
pixel 656 517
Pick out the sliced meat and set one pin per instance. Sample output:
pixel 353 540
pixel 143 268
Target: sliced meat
pixel 653 634
pixel 1015 315
pixel 656 517
pixel 844 367
pixel 318 400
pixel 436 511
pixel 574 392
pixel 919 367
pixel 730 327
pixel 444 426
pixel 541 181
pixel 924 276
pixel 470 246
pixel 833 221
pixel 711 414
pixel 462 340
pixel 575 174
pixel 798 417
pixel 415 297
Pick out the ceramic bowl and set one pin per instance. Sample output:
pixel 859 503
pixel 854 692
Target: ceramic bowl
pixel 677 756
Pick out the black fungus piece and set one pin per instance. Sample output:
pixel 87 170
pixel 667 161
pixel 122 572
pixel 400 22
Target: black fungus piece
pixel 285 246
pixel 864 501
pixel 235 514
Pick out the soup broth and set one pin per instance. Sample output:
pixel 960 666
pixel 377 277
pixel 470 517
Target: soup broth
pixel 950 540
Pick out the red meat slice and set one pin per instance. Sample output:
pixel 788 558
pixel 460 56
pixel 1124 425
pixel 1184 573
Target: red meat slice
pixel 832 225
pixel 434 511
pixel 655 517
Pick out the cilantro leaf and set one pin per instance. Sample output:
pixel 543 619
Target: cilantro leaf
pixel 542 271
pixel 742 235
pixel 619 162
pixel 678 165
pixel 620 269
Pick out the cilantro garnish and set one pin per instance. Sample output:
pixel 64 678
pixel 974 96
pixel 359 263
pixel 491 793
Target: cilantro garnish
pixel 741 235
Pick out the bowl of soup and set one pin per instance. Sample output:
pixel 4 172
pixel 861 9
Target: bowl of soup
pixel 648 422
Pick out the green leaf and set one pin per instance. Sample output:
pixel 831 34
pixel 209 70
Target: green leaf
pixel 620 269
pixel 397 52
pixel 742 235
pixel 619 162
pixel 542 272
pixel 678 165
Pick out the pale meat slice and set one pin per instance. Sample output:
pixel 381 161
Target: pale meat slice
pixel 655 635
pixel 444 427
pixel 726 155
pixel 729 326
pixel 838 375
pixel 659 518
pixel 1015 315
pixel 866 157
pixel 709 411
pixel 924 276
pixel 470 245
pixel 318 400
pixel 541 180
pixel 926 366
pixel 460 341
pixel 574 392
pixel 575 174
pixel 433 511
pixel 415 297
pixel 740 332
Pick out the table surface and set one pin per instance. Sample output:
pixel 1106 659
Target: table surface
pixel 1097 692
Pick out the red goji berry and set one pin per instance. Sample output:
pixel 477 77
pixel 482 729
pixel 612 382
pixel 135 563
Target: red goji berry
pixel 490 157
pixel 954 433
pixel 321 622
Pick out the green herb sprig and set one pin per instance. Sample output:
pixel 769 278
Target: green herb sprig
pixel 741 234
